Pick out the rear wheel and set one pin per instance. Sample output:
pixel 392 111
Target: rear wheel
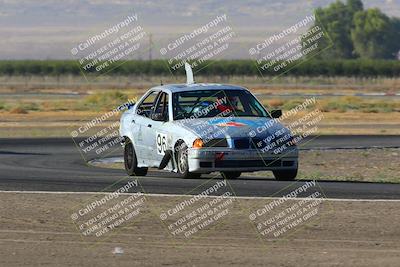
pixel 130 161
pixel 183 163
pixel 231 175
pixel 285 175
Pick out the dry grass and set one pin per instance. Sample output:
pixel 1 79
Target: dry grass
pixel 18 110
pixel 78 82
pixel 50 123
pixel 275 103
pixel 45 115
pixel 99 101
pixel 340 104
pixel 104 101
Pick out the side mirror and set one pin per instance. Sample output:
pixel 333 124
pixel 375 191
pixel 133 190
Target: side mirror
pixel 130 105
pixel 276 113
pixel 158 117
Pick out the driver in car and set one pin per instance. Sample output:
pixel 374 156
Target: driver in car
pixel 230 105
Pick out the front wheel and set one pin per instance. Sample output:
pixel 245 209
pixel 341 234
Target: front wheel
pixel 285 175
pixel 183 163
pixel 130 161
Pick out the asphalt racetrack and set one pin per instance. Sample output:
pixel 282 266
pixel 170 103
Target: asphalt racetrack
pixel 55 164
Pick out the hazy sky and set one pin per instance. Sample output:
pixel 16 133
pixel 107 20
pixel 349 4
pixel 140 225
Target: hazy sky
pixel 48 29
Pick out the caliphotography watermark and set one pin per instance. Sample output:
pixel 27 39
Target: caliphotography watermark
pixel 281 51
pixel 194 214
pixel 100 135
pixel 280 217
pixel 301 122
pixel 209 41
pixel 104 214
pixel 110 47
pixel 215 110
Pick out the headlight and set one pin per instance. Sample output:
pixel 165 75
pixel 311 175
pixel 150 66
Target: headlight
pixel 198 143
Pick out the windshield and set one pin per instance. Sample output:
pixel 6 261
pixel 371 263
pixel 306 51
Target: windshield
pixel 212 103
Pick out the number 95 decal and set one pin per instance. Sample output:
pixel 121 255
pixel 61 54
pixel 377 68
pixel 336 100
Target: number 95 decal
pixel 161 143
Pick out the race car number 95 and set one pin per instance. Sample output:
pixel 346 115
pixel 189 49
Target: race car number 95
pixel 161 143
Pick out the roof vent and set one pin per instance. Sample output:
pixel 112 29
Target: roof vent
pixel 189 74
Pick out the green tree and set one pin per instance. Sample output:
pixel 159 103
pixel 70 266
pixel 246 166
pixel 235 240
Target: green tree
pixel 355 32
pixel 354 6
pixel 375 35
pixel 336 20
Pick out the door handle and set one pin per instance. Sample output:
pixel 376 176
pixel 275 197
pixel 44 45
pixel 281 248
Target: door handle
pixel 149 125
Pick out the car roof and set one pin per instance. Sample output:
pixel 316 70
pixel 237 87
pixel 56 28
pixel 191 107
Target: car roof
pixel 174 88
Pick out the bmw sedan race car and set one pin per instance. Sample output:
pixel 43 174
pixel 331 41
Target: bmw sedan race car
pixel 195 129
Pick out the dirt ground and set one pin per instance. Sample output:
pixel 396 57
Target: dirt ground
pixel 364 165
pixel 37 230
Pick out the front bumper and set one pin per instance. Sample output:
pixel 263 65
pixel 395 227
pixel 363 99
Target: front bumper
pixel 206 160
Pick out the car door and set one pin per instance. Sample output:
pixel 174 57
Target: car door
pixel 143 125
pixel 158 137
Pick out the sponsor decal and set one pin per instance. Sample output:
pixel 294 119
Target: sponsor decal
pixel 231 124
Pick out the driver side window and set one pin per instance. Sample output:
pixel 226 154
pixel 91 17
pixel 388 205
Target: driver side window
pixel 145 107
pixel 162 105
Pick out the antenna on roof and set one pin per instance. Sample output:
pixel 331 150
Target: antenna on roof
pixel 189 74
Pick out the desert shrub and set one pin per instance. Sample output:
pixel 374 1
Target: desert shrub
pixel 309 67
pixel 103 101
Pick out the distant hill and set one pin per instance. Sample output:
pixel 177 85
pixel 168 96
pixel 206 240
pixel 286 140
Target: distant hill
pixel 50 28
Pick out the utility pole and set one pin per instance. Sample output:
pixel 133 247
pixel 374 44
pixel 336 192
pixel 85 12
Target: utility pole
pixel 150 46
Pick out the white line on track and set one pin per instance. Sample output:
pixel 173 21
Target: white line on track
pixel 177 195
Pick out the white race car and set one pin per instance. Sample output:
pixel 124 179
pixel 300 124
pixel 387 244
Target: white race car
pixel 192 129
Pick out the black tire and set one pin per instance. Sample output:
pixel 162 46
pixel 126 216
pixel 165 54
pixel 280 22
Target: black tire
pixel 285 175
pixel 130 161
pixel 231 175
pixel 182 163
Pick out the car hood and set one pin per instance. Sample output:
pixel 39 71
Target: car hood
pixel 232 127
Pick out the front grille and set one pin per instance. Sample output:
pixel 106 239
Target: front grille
pixel 216 142
pixel 261 143
pixel 248 163
pixel 254 143
pixel 242 143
